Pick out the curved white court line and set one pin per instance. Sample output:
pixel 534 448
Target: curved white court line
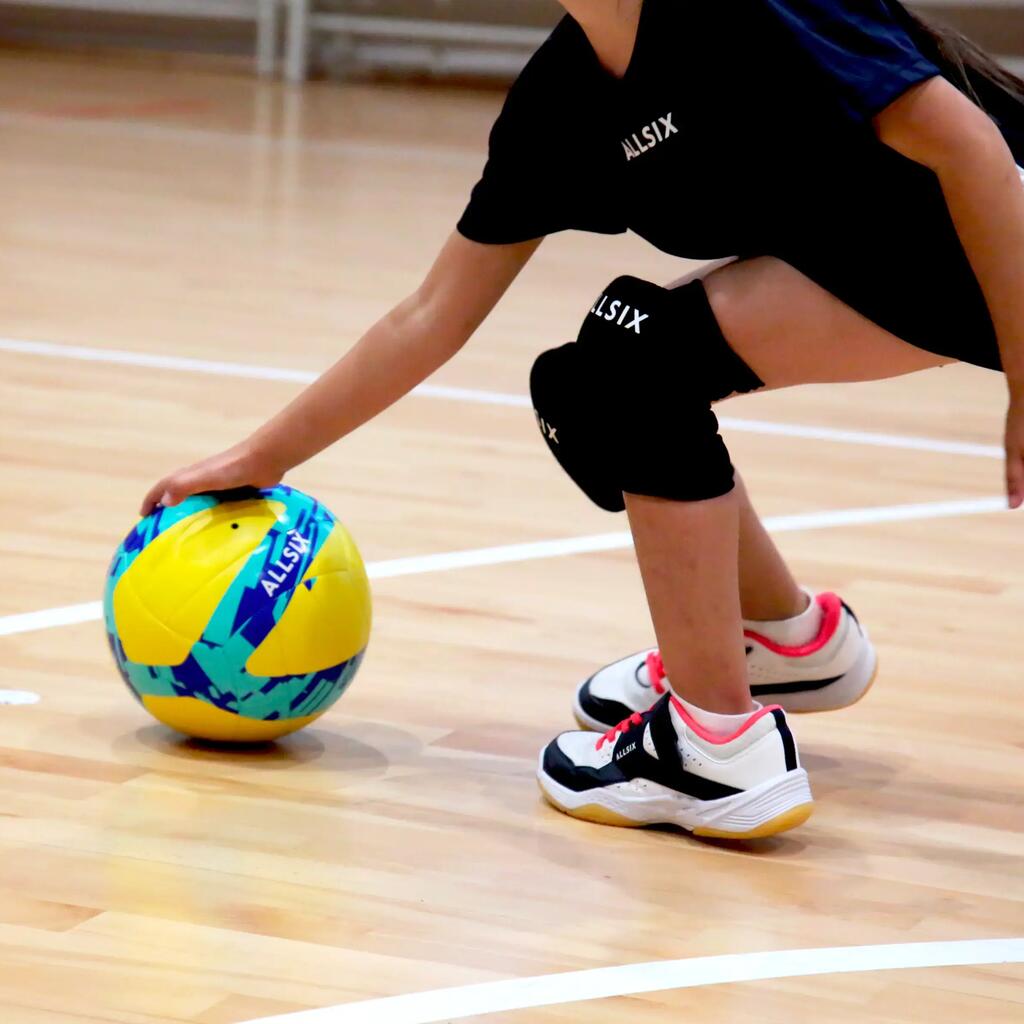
pixel 449 1004
pixel 121 357
pixel 68 615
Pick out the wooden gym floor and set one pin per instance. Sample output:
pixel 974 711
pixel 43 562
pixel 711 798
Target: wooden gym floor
pixel 148 210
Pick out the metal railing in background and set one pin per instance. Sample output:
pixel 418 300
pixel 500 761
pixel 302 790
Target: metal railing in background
pixel 265 14
pixel 483 47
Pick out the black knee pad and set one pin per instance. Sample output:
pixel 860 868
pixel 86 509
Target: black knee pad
pixel 627 406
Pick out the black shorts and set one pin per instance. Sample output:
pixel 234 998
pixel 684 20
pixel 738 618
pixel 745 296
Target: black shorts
pixel 896 258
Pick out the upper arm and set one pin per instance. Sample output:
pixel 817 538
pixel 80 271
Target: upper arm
pixel 934 124
pixel 468 278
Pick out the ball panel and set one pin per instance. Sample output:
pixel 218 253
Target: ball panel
pixel 195 717
pixel 146 530
pixel 142 534
pixel 165 599
pixel 327 620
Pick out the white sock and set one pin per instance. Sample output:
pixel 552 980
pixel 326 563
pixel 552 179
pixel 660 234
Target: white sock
pixel 801 629
pixel 718 725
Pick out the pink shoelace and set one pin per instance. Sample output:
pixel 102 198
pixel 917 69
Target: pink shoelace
pixel 656 674
pixel 623 727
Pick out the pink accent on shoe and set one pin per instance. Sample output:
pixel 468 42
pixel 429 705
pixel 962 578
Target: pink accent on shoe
pixel 832 606
pixel 621 729
pixel 755 716
pixel 656 672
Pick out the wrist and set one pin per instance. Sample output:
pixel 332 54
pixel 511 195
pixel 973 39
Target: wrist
pixel 261 462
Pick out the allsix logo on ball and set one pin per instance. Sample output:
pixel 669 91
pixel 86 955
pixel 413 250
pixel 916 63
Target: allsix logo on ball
pixel 281 571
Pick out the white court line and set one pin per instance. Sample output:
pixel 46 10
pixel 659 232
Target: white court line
pixel 215 368
pixel 920 444
pixel 49 618
pixel 18 697
pixel 449 1004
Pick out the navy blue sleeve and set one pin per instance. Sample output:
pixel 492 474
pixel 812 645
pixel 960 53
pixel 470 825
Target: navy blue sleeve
pixel 863 48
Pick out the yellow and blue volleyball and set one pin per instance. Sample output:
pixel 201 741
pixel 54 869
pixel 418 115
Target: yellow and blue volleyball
pixel 238 621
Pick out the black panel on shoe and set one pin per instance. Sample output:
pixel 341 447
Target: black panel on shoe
pixel 800 686
pixel 663 735
pixel 853 615
pixel 610 712
pixel 788 746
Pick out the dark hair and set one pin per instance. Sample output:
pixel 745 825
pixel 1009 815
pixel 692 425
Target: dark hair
pixel 972 66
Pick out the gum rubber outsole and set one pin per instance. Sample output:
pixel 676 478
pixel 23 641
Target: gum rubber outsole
pixel 793 818
pixel 598 815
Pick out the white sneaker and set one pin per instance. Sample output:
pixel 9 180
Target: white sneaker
pixel 662 768
pixel 833 671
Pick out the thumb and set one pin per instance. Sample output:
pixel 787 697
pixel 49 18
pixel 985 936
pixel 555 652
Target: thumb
pixel 174 493
pixel 185 483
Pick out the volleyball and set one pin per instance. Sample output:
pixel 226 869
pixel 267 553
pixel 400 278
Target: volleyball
pixel 238 620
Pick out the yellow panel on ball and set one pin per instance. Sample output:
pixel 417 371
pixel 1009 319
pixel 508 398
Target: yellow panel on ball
pixel 204 721
pixel 327 620
pixel 164 601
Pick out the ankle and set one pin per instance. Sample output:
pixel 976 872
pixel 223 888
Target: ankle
pixel 714 699
pixel 721 689
pixel 796 630
pixel 777 607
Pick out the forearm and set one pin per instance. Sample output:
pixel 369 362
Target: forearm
pixel 985 196
pixel 397 353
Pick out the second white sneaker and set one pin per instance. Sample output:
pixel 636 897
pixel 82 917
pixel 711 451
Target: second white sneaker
pixel 832 671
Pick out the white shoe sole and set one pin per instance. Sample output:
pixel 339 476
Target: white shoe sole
pixel 775 806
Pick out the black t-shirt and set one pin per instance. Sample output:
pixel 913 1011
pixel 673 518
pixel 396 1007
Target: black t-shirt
pixel 740 127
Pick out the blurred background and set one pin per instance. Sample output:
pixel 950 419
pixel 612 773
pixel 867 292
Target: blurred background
pixel 342 38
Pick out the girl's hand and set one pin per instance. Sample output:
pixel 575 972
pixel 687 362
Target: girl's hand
pixel 1015 450
pixel 240 466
